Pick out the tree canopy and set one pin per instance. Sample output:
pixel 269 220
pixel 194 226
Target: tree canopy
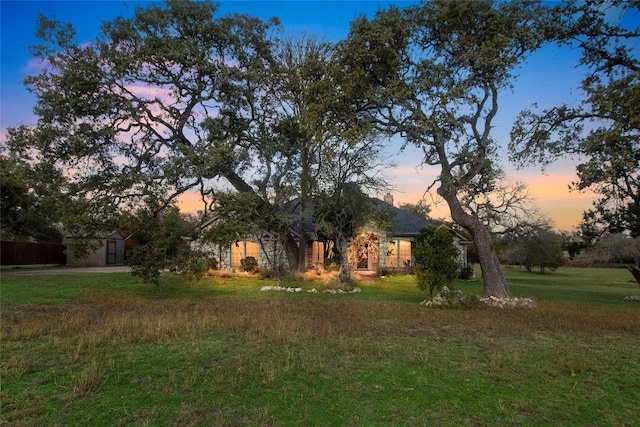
pixel 177 99
pixel 433 74
pixel 603 131
pixel 29 201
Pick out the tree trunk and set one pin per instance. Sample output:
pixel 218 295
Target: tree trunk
pixel 291 250
pixel 494 283
pixel 302 247
pixel 344 274
pixel 635 270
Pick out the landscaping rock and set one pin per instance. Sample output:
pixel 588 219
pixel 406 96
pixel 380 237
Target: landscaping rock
pixel 509 302
pixel 443 291
pixel 342 291
pixel 280 289
pixel 452 299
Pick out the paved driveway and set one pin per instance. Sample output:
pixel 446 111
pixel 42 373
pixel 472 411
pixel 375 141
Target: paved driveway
pixel 62 270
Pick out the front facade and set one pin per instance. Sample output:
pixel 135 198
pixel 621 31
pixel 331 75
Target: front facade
pixel 375 247
pixel 266 249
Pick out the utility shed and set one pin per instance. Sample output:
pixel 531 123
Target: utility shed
pixel 110 252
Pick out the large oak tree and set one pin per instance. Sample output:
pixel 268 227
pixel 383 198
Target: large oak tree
pixel 434 73
pixel 177 98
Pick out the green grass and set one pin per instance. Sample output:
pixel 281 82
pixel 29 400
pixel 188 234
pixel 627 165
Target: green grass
pixel 105 349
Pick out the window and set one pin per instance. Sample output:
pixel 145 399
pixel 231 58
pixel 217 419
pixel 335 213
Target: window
pixel 405 253
pixel 244 249
pixel 252 249
pixel 392 254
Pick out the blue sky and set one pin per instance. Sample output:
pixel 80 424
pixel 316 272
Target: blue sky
pixel 548 78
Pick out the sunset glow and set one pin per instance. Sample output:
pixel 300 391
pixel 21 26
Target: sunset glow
pixel 328 20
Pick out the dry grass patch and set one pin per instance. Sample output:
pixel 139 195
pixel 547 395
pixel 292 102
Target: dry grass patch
pixel 161 357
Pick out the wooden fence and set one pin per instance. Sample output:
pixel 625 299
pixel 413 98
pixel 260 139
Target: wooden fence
pixel 27 253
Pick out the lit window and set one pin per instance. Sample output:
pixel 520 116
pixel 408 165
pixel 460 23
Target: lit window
pixel 244 249
pixel 405 253
pixel 392 254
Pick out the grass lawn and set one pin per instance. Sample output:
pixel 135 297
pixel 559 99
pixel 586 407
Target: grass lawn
pixel 105 349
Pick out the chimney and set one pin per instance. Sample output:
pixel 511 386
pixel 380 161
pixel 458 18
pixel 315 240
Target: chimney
pixel 388 198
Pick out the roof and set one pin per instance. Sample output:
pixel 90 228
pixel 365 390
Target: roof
pixel 400 222
pixel 114 235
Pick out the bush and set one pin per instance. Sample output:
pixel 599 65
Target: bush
pixel 387 271
pixel 249 264
pixel 466 272
pixel 436 257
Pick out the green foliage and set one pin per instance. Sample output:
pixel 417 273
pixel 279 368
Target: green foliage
pixel 433 73
pixel 603 131
pixel 338 215
pixel 173 232
pixel 249 264
pixel 466 272
pixel 436 258
pixel 159 239
pixel 30 202
pixel 420 209
pixel 532 245
pixel 227 99
pixel 194 264
pixel 236 216
pixel 146 262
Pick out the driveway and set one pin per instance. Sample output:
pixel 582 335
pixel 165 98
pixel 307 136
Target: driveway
pixel 63 270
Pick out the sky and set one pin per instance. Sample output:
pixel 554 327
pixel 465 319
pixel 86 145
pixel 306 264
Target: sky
pixel 549 77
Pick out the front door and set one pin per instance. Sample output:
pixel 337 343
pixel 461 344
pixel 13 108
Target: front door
pixel 365 249
pixel 111 252
pixel 363 257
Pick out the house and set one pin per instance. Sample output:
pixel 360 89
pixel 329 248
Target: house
pixel 388 243
pixel 109 252
pixel 392 244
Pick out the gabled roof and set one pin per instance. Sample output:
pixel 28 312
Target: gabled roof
pixel 399 221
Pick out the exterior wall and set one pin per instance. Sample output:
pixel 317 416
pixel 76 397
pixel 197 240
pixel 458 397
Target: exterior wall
pixel 315 255
pixel 110 252
pixel 397 252
pixel 243 249
pixel 268 251
pixel 96 258
pixel 393 252
pixel 462 251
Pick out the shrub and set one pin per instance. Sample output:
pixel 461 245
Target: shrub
pixel 436 257
pixel 387 271
pixel 274 272
pixel 249 264
pixel 146 263
pixel 466 272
